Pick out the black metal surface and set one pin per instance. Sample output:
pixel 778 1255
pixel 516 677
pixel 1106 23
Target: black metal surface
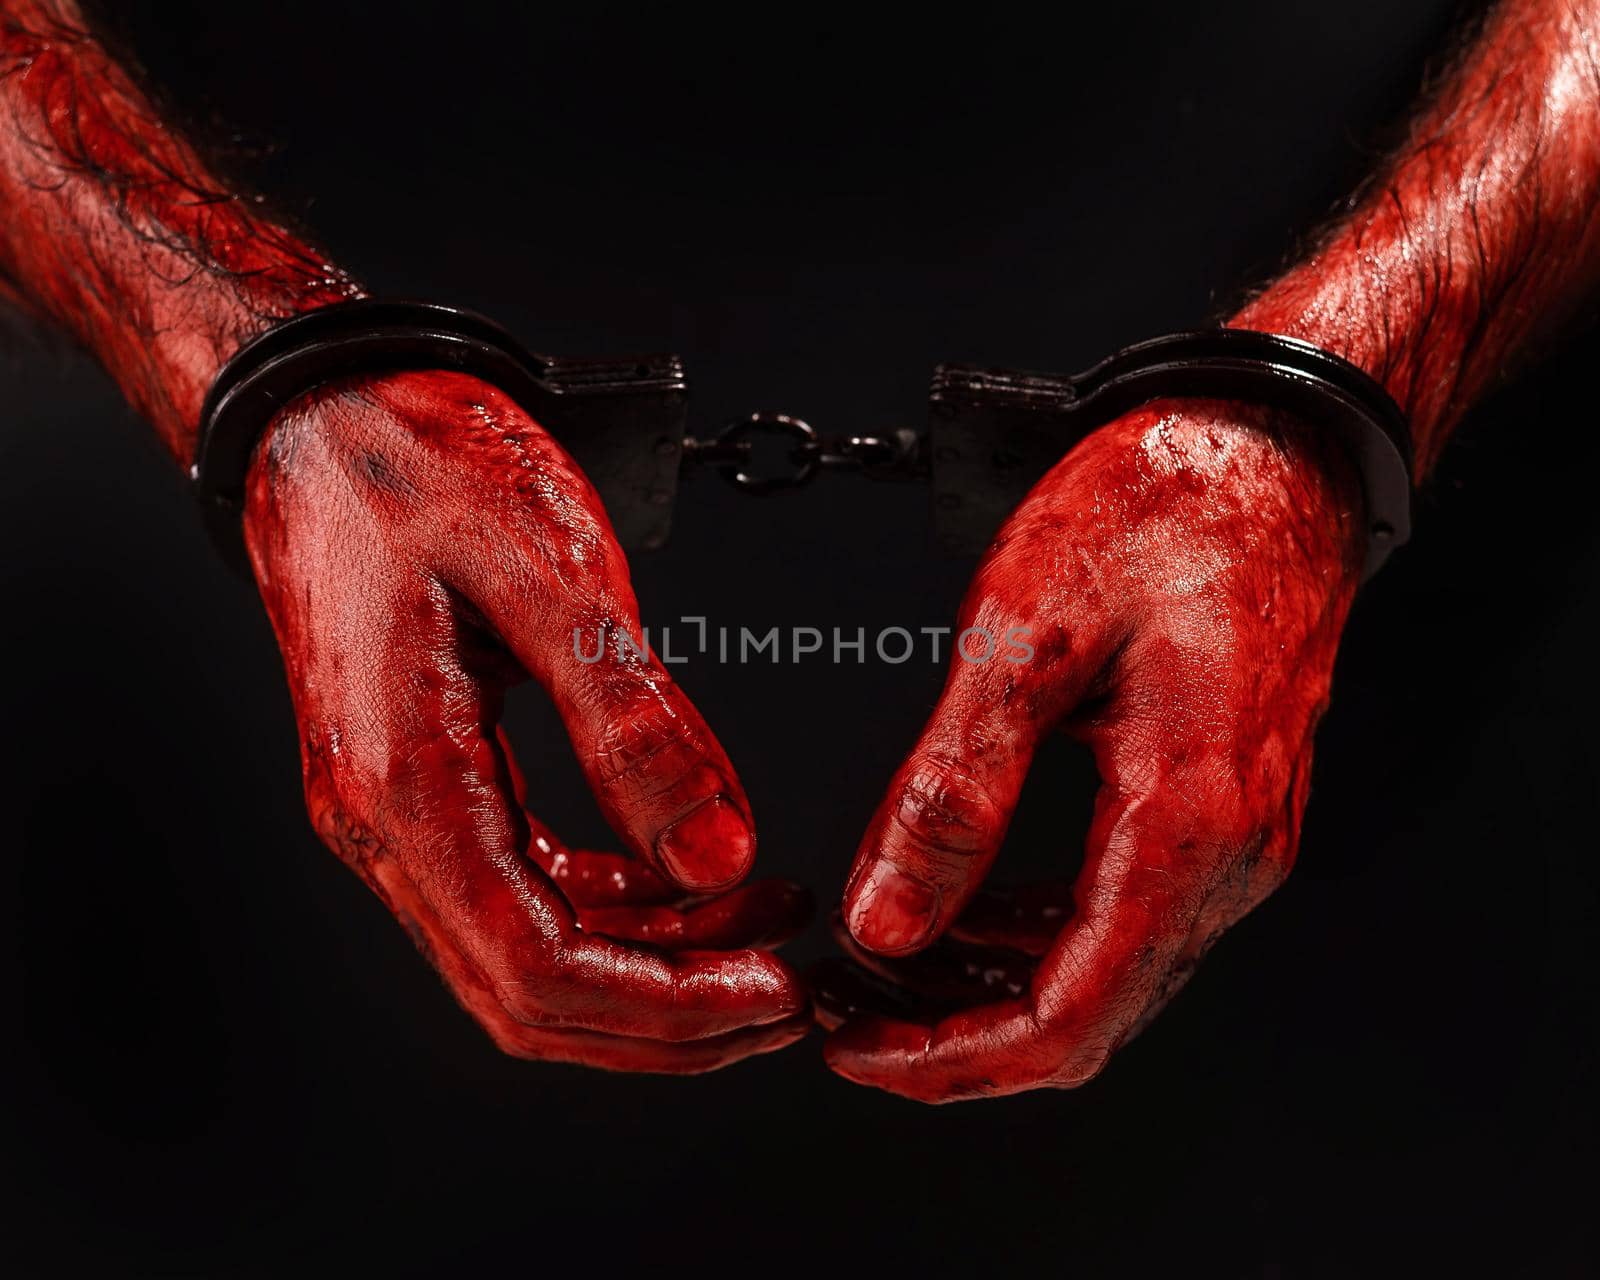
pixel 624 422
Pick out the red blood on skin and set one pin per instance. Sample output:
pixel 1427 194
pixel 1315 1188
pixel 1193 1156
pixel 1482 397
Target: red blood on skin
pixel 420 544
pixel 1187 571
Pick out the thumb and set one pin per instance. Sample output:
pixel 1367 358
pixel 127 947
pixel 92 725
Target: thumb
pixel 661 778
pixel 945 815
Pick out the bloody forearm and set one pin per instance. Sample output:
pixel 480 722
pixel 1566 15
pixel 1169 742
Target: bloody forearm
pixel 1479 235
pixel 112 225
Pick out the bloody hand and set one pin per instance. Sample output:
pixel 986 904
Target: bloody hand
pixel 1184 574
pixel 1187 571
pixel 420 545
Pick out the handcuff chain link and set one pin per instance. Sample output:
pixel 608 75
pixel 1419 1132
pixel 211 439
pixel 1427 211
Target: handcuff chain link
pixel 891 455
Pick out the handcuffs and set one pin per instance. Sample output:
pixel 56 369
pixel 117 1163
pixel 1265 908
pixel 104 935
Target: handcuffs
pixel 992 433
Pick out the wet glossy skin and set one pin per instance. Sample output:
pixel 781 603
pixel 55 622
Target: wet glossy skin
pixel 419 544
pixel 1186 575
pixel 1187 571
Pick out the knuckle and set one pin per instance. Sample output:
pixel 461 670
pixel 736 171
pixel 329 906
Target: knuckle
pixel 944 808
pixel 645 750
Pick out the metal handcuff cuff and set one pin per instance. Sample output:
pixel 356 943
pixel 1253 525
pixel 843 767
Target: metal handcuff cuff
pixel 991 434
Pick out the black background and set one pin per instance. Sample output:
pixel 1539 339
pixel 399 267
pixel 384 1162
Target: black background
pixel 231 1060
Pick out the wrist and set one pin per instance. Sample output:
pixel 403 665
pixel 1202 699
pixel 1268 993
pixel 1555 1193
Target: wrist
pixel 1410 325
pixel 1357 307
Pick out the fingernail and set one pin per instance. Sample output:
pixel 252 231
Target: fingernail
pixel 709 847
pixel 892 913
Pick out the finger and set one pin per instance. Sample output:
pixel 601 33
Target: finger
pixel 588 981
pixel 605 879
pixel 660 776
pixel 1151 862
pixel 765 914
pixel 585 878
pixel 947 809
pixel 620 897
pixel 590 879
pixel 687 995
pixel 423 806
pixel 523 954
pixel 512 950
pixel 1007 927
pixel 936 831
pixel 1027 919
pixel 1090 991
pixel 519 788
pixel 976 1053
pixel 622 1053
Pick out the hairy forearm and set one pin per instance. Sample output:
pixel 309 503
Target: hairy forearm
pixel 113 226
pixel 1481 233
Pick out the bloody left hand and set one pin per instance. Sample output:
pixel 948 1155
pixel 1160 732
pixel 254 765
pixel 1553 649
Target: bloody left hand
pixel 1185 573
pixel 421 545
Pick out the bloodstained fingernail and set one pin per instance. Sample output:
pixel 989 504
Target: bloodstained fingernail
pixel 708 848
pixel 891 912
